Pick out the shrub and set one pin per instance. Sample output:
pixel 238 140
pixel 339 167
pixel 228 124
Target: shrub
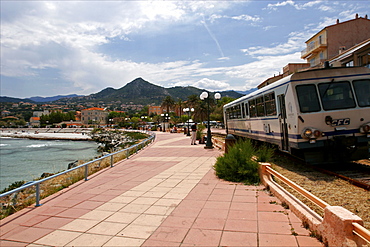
pixel 237 165
pixel 264 153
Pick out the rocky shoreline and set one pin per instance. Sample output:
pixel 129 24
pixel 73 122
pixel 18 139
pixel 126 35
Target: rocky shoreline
pixel 48 134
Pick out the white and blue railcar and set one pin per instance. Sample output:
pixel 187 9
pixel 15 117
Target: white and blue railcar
pixel 320 115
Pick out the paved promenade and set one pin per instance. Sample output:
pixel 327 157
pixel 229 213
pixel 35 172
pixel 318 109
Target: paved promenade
pixel 166 195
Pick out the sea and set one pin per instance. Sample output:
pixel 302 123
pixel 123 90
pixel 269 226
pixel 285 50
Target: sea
pixel 27 159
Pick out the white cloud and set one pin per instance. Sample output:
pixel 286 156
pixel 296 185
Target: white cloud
pixel 298 5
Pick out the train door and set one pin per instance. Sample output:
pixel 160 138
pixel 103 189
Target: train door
pixel 283 125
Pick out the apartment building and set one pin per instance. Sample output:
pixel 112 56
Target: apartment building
pixel 335 39
pixel 94 115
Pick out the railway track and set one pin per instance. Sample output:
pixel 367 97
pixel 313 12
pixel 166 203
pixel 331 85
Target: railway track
pixel 355 173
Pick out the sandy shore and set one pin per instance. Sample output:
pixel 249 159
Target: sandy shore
pixel 40 135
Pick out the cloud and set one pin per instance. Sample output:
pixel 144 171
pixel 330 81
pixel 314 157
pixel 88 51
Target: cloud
pixel 298 6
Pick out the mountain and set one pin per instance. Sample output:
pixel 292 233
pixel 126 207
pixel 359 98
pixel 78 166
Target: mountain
pixel 248 91
pixel 138 92
pixel 53 98
pixel 143 92
pixel 5 99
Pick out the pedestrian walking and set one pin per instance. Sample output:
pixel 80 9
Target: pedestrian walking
pixel 193 134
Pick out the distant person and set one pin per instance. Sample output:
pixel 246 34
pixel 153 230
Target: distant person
pixel 193 134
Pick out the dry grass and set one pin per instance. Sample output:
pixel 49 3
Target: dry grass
pixel 334 191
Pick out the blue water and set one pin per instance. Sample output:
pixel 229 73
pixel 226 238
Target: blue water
pixel 25 159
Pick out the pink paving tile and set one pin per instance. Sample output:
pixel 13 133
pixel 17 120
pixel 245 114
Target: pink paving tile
pixel 150 243
pixel 69 203
pixel 102 198
pixel 89 204
pixel 244 192
pixel 242 214
pixel 238 225
pixel 276 227
pixel 186 212
pixel 217 205
pixel 169 234
pixel 299 229
pixel 47 210
pixel 223 191
pixel 220 197
pixel 34 220
pixel 11 243
pixel 243 206
pixel 54 223
pixel 252 199
pixel 26 234
pixel 197 196
pixel 201 237
pixel 272 216
pixel 181 222
pixel 305 241
pixel 277 240
pixel 73 213
pixel 267 199
pixel 212 213
pixel 209 223
pixel 269 207
pixel 238 239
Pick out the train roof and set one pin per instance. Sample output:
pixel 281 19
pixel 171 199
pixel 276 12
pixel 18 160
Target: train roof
pixel 306 75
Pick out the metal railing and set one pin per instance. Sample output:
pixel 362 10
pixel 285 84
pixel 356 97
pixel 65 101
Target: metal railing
pixel 358 229
pixel 37 183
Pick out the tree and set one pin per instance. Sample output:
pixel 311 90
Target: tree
pixel 168 103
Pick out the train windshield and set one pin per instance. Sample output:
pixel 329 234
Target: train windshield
pixel 336 95
pixel 307 98
pixel 362 89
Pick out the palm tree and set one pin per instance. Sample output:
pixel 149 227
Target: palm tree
pixel 168 103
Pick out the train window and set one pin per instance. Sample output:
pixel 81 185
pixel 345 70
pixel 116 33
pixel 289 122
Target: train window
pixel 260 105
pixel 336 95
pixel 307 98
pixel 270 104
pixel 252 108
pixel 362 89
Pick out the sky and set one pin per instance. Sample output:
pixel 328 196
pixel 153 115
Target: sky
pixel 53 48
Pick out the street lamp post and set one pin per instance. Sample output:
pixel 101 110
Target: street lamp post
pixel 164 115
pixel 204 96
pixel 187 110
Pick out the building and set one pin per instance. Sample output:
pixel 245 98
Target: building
pixel 35 121
pixel 94 116
pixel 291 68
pixel 334 39
pixel 155 110
pixel 358 55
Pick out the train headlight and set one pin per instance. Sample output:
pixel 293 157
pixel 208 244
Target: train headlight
pixel 311 133
pixel 365 129
pixel 307 133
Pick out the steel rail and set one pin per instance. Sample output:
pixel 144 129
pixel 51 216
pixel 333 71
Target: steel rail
pixel 85 165
pixel 361 231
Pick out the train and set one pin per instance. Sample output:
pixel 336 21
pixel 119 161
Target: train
pixel 319 115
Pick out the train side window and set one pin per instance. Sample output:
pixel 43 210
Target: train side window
pixel 246 109
pixel 362 89
pixel 252 108
pixel 336 95
pixel 270 104
pixel 307 98
pixel 260 105
pixel 243 110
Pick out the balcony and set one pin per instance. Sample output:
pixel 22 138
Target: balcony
pixel 312 48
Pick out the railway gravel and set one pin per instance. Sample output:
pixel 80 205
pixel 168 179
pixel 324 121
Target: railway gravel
pixel 334 191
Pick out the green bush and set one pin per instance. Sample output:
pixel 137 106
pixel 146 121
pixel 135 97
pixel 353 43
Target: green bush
pixel 237 165
pixel 264 153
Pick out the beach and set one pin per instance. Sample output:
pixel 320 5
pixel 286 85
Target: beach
pixel 48 134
